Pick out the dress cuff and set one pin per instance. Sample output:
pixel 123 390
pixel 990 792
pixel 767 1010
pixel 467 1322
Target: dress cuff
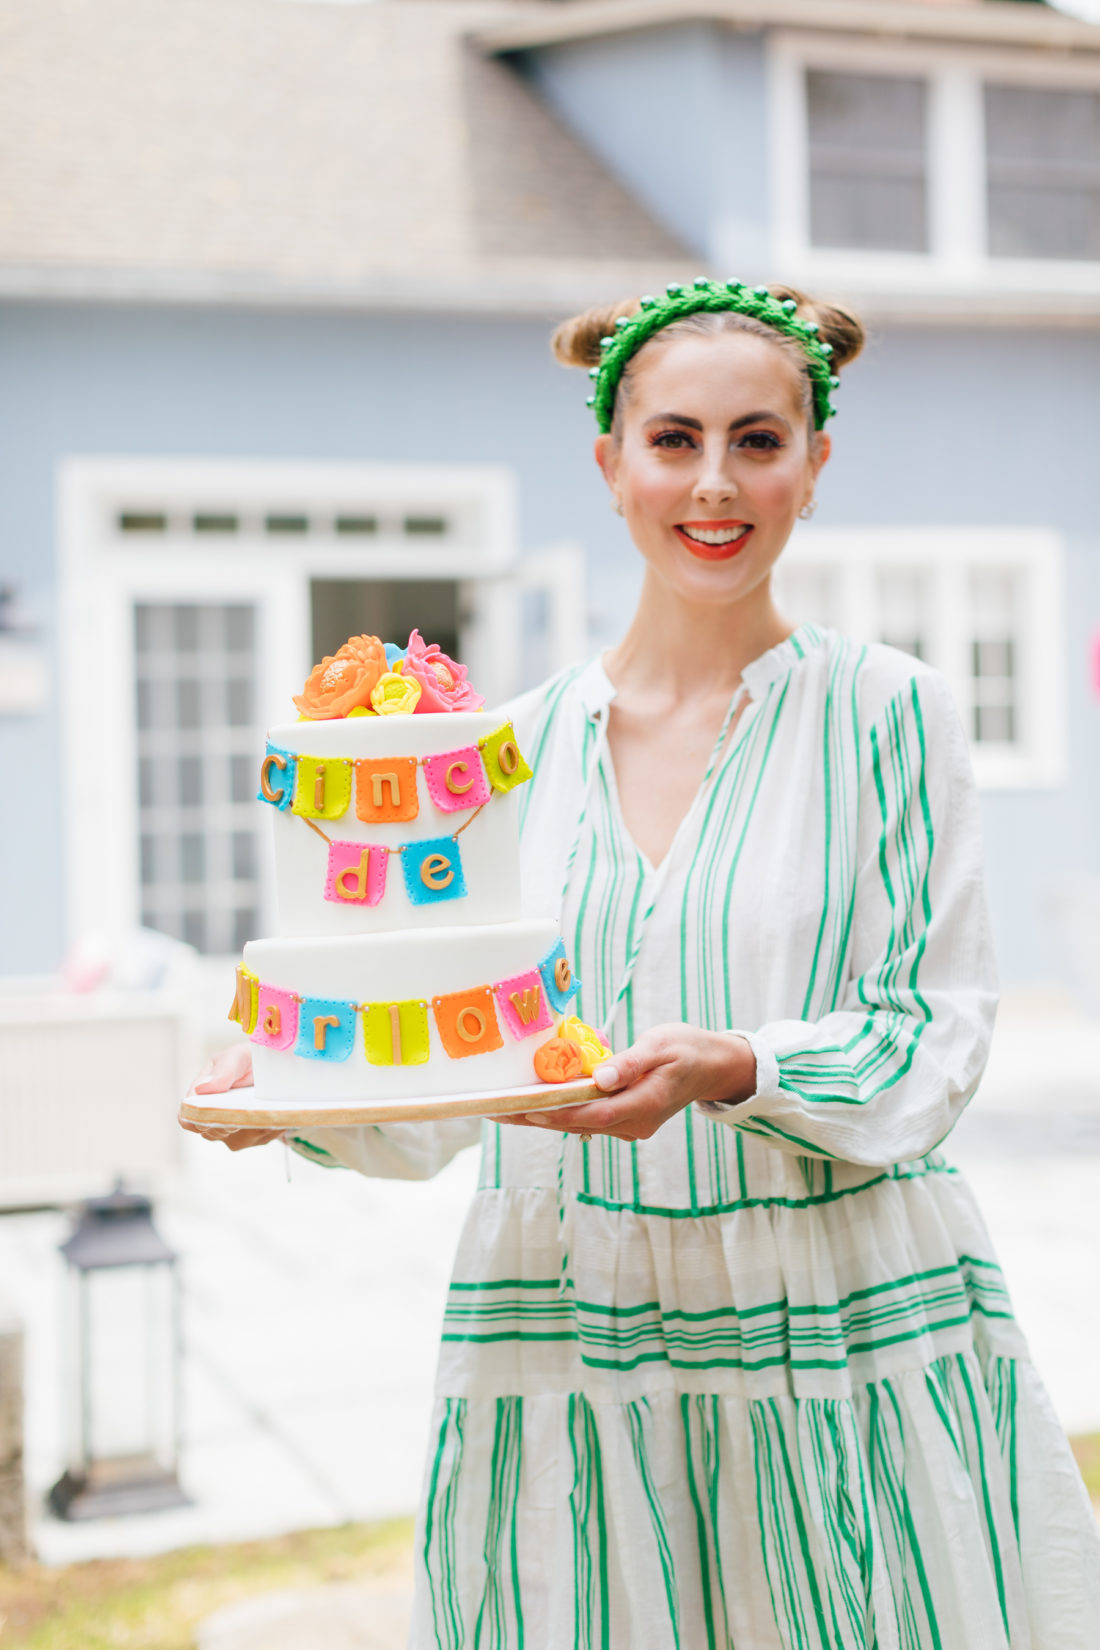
pixel 767 1078
pixel 305 1148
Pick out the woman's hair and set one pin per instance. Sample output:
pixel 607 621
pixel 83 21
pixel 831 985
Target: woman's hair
pixel 576 343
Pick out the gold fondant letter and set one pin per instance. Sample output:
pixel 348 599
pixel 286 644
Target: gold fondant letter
pixel 453 784
pixel 321 1024
pixel 267 791
pixel 394 783
pixel 526 1004
pixel 356 887
pixel 431 872
pixel 470 1025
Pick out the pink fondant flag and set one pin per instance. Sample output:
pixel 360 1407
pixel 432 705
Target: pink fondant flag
pixel 276 1018
pixel 523 1003
pixel 457 779
pixel 356 873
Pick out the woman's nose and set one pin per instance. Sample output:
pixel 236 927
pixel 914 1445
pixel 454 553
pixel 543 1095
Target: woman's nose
pixel 714 481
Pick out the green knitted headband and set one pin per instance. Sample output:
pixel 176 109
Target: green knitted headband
pixel 632 331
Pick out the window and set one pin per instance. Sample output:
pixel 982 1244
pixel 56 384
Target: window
pixel 195 666
pixel 867 140
pixel 932 168
pixel 982 606
pixel 1043 172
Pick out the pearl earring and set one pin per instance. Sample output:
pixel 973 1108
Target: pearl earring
pixel 617 506
pixel 807 510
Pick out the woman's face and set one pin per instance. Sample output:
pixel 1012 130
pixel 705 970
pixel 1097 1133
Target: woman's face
pixel 716 459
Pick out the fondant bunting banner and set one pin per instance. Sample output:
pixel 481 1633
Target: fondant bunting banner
pixel 385 788
pixel 396 1033
pixel 357 871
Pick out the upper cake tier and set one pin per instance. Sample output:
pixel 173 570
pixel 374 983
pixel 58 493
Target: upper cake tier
pixel 387 823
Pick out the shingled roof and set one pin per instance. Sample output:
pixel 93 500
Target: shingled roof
pixel 294 152
pixel 375 155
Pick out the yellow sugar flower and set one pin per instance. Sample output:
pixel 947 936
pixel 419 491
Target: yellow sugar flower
pixel 395 694
pixel 594 1051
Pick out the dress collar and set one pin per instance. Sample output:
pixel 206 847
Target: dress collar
pixel 780 660
pixel 597 690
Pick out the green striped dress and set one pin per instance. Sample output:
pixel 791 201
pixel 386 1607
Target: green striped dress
pixel 754 1384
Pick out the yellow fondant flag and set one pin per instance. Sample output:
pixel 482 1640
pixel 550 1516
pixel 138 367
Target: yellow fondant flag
pixel 323 787
pixel 395 1034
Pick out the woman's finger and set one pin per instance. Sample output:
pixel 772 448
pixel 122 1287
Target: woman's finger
pixel 231 1068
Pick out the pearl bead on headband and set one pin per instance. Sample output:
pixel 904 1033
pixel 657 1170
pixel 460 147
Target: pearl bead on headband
pixel 632 331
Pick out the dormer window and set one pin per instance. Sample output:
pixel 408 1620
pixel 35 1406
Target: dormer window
pixel 1043 172
pixel 929 166
pixel 868 169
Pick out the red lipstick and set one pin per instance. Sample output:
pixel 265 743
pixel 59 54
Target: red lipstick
pixel 713 540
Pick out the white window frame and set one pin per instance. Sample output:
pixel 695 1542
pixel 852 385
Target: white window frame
pixel 104 573
pixel 1038 758
pixel 958 259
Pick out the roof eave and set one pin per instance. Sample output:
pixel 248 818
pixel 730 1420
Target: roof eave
pixel 530 290
pixel 991 23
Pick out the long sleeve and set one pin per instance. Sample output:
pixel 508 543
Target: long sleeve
pixel 883 1078
pixel 390 1151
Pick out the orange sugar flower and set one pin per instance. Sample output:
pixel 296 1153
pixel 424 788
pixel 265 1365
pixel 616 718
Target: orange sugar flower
pixel 344 682
pixel 558 1061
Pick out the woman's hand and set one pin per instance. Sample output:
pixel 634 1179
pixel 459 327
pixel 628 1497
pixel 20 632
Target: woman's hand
pixel 658 1076
pixel 231 1069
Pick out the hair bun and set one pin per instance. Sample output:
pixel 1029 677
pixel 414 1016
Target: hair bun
pixel 576 342
pixel 838 327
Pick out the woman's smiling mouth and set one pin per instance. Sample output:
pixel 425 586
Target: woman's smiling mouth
pixel 713 540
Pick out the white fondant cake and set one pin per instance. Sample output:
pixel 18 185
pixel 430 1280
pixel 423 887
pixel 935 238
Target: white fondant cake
pixel 401 969
pixel 420 966
pixel 490 849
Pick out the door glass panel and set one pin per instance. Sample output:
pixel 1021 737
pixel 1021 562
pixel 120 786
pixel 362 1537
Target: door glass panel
pixel 197 748
pixel 387 608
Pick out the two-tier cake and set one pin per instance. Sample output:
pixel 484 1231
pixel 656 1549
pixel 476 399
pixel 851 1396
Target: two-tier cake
pixel 402 967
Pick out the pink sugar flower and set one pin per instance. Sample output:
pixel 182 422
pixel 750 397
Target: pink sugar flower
pixel 443 683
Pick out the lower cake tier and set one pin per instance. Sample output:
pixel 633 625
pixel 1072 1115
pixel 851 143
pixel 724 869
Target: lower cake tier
pixel 393 1016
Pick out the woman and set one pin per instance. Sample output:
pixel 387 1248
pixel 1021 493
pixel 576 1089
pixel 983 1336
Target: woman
pixel 728 1359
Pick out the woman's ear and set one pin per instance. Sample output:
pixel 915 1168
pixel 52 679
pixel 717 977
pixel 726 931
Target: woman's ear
pixel 607 457
pixel 819 457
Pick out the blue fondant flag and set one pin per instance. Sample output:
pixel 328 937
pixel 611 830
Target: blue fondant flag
pixel 326 1029
pixel 433 870
pixel 558 978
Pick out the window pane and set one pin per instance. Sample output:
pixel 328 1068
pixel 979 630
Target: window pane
pixel 244 855
pixel 868 184
pixel 196 754
pixel 238 706
pixel 994 668
pixel 1043 157
pixel 904 601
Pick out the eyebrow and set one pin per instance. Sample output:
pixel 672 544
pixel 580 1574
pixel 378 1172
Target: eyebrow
pixel 738 423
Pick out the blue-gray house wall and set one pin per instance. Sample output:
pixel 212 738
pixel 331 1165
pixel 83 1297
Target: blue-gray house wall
pixel 680 116
pixel 937 427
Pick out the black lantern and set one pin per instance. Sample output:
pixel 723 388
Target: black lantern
pixel 124 1335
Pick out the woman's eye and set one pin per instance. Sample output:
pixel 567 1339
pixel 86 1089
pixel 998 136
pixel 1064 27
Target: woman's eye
pixel 761 441
pixel 673 440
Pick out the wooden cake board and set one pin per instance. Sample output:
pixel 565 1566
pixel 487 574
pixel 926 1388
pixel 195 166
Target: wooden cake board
pixel 230 1110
